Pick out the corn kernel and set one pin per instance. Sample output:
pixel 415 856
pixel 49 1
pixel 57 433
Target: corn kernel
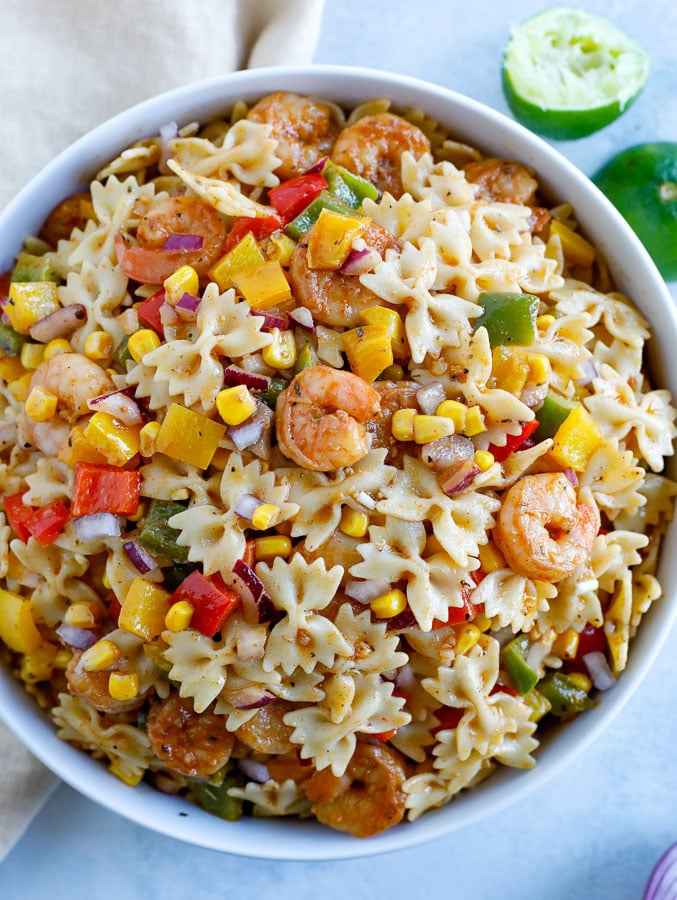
pixel 474 422
pixel 123 687
pixel 83 614
pixel 544 322
pixel 491 558
pixel 484 460
pixel 389 605
pixel 539 368
pixel 56 347
pixel 117 442
pixel 100 656
pixel 131 779
pixel 281 353
pixel 354 522
pixel 402 424
pixel 431 428
pixel 32 355
pixel 581 681
pixel 99 345
pixel 20 388
pixel 62 658
pixel 468 636
pixel 184 281
pixel 566 644
pixel 271 546
pixel 392 373
pixel 11 368
pixel 265 516
pixel 142 342
pixel 148 437
pixel 179 615
pixel 41 405
pixel 454 410
pixel 482 622
pixel 235 404
pixel 141 513
pixel 38 664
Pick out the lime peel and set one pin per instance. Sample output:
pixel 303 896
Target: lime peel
pixel 567 72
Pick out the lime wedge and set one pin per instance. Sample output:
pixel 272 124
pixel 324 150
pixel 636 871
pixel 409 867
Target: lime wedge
pixel 567 73
pixel 641 182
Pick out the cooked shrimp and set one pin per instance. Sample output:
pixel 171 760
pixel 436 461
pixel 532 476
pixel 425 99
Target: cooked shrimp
pixel 73 379
pixel 305 130
pixel 92 687
pixel 195 744
pixel 505 181
pixel 542 530
pixel 266 731
pixel 149 262
pixel 333 298
pixel 321 416
pixel 367 799
pixel 373 146
pixel 394 395
pixel 71 213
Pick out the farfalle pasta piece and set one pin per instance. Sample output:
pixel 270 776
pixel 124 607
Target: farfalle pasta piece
pixel 440 182
pixel 101 288
pixel 622 320
pixel 52 480
pixel 273 799
pixel 512 600
pixel 224 196
pixel 199 664
pixel 164 478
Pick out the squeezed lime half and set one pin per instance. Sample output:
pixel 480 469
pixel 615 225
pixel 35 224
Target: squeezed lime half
pixel 568 73
pixel 641 182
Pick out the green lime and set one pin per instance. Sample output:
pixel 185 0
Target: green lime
pixel 641 182
pixel 567 73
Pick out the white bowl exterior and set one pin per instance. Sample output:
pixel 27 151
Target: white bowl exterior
pixel 634 274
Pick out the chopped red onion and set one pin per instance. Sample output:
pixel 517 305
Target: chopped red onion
pixel 256 604
pixel 303 317
pixel 256 771
pixel 250 697
pixel 59 324
pixel 429 397
pixel 663 881
pixel 97 526
pixel 590 370
pixel 366 591
pixel 406 679
pixel 598 670
pixel 359 261
pixel 168 315
pixel 251 642
pixel 167 133
pixel 139 557
pixel 401 622
pixel 183 242
pixel 245 506
pixel 571 476
pixel 80 638
pixel 271 320
pixel 246 435
pixel 318 167
pixel 187 307
pixel 460 479
pixel 119 405
pixel 233 375
pixel 445 452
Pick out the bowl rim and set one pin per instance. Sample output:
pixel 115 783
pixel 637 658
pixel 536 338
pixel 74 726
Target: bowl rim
pixel 294 840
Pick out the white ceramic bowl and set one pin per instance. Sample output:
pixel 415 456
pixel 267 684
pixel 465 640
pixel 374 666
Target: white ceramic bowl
pixel 634 274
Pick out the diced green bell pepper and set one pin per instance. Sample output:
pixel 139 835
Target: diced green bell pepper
pixel 122 354
pixel 306 219
pixel 157 536
pixel 564 696
pixel 213 796
pixel 509 318
pixel 11 341
pixel 513 658
pixel 306 357
pixel 552 413
pixel 347 187
pixel 34 268
pixel 538 705
pixel 269 397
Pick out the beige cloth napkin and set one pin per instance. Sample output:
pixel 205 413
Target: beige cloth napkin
pixel 65 67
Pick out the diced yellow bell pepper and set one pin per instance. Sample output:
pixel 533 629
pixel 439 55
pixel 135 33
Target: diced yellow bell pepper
pixel 391 320
pixel 29 302
pixel 188 436
pixel 32 355
pixel 17 626
pixel 566 644
pixel 39 663
pixel 509 369
pixel 576 440
pixel 131 779
pixel 491 558
pixel 474 421
pixel 78 449
pixel 245 255
pixel 331 238
pixel 20 388
pixel 577 251
pixel 369 350
pixel 280 247
pixel 118 443
pixel 144 609
pixel 263 286
pixel 11 368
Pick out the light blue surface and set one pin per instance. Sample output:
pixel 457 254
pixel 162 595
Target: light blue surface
pixel 593 832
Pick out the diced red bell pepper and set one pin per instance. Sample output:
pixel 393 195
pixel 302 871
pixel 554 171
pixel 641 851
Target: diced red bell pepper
pixel 5 281
pixel 261 228
pixel 114 608
pixel 18 515
pixel 212 601
pixel 44 523
pixel 385 735
pixel 590 640
pixel 460 615
pixel 99 488
pixel 149 312
pixel 502 688
pixel 449 717
pixel 514 442
pixel 291 197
